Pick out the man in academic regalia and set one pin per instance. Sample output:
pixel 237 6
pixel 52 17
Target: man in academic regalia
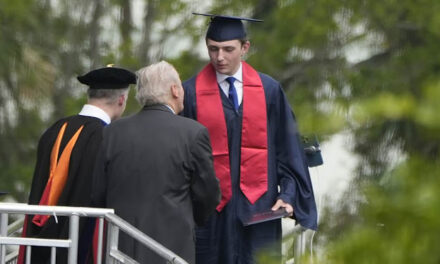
pixel 257 154
pixel 66 157
pixel 155 169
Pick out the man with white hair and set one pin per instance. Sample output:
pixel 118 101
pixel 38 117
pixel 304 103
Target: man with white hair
pixel 156 169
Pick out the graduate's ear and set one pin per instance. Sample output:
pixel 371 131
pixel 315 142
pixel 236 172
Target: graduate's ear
pixel 245 47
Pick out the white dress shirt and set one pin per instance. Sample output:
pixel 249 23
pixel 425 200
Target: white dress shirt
pixel 94 111
pixel 224 85
pixel 169 107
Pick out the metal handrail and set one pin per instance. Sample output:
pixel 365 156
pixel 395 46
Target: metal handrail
pixel 115 224
pixel 21 208
pixel 15 226
pixel 144 239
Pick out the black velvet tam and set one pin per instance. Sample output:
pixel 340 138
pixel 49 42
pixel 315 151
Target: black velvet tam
pixel 108 78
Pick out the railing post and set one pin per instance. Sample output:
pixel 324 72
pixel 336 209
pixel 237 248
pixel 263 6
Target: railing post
pixel 28 254
pixel 100 239
pixel 112 240
pixel 53 255
pixel 3 233
pixel 73 236
pixel 299 247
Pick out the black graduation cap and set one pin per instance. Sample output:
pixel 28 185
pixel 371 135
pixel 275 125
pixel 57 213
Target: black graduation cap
pixel 223 28
pixel 108 78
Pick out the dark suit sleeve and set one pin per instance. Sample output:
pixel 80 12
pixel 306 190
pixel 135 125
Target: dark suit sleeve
pixel 205 188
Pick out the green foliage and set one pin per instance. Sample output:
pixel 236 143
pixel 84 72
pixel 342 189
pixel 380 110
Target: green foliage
pixel 187 64
pixel 393 106
pixel 401 219
pixel 17 154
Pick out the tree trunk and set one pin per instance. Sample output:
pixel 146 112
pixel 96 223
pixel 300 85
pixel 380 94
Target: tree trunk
pixel 145 45
pixel 94 55
pixel 126 28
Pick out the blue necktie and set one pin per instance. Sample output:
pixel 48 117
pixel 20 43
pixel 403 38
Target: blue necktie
pixel 232 94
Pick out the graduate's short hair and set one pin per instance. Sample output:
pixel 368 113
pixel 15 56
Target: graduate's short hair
pixel 109 96
pixel 153 83
pixel 243 41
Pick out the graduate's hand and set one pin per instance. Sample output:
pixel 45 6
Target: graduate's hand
pixel 280 203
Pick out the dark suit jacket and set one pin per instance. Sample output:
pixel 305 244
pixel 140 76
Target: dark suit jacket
pixel 156 170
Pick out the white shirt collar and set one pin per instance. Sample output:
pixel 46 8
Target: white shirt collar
pixel 224 85
pixel 172 110
pixel 94 111
pixel 238 75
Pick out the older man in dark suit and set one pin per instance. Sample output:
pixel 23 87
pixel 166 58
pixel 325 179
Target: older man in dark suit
pixel 156 169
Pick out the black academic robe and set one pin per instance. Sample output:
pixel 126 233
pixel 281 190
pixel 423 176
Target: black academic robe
pixel 77 190
pixel 155 169
pixel 224 239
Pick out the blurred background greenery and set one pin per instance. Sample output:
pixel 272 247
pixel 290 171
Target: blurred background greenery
pixel 368 68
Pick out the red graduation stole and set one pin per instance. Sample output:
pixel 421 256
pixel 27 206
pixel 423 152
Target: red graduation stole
pixel 253 164
pixel 58 173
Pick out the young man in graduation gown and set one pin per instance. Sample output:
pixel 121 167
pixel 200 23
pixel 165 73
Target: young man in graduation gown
pixel 257 156
pixel 155 169
pixel 66 157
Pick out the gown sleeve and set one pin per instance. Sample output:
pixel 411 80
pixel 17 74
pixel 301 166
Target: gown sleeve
pixel 293 174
